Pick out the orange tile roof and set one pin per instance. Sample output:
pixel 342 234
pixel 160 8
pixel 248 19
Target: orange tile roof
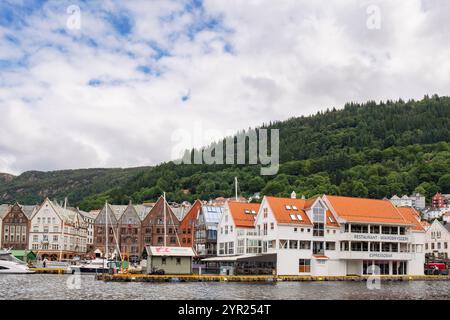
pixel 332 222
pixel 283 215
pixel 366 210
pixel 240 217
pixel 412 216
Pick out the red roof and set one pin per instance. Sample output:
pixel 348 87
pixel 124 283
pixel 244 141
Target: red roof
pixel 283 208
pixel 412 216
pixel 366 210
pixel 243 213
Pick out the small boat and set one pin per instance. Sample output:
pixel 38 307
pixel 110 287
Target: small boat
pixel 98 265
pixel 11 265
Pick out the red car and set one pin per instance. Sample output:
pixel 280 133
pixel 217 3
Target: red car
pixel 436 268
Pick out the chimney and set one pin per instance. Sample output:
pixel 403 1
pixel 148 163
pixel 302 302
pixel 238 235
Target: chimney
pixel 303 197
pixel 293 195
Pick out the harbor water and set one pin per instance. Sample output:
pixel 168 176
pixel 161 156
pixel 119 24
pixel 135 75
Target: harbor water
pixel 47 286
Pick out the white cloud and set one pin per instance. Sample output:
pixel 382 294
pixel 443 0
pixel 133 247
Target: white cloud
pixel 237 63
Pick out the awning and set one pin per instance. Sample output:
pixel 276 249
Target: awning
pixel 24 255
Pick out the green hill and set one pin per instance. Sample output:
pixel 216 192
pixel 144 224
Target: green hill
pixel 364 150
pixel 33 186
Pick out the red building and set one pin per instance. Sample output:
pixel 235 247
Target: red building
pixel 438 201
pixel 187 225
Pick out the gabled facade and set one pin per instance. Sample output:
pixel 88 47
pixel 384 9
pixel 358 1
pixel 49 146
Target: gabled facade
pixel 129 225
pixel 236 230
pixel 57 232
pixel 15 227
pixel 188 225
pixel 438 240
pixel 153 226
pixel 106 229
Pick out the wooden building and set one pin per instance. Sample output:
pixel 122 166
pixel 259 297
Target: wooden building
pixel 188 225
pixel 170 260
pixel 16 226
pixel 153 226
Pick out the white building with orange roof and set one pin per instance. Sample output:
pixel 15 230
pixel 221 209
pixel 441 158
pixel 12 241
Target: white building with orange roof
pixel 332 235
pixel 446 217
pixel 236 230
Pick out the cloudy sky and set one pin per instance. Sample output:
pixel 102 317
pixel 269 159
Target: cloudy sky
pixel 119 83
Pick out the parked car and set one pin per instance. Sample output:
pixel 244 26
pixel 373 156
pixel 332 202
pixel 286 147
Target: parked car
pixel 436 268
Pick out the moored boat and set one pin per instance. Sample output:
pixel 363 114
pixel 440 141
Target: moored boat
pixel 11 265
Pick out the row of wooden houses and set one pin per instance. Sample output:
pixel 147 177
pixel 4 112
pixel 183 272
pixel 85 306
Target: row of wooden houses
pixel 57 231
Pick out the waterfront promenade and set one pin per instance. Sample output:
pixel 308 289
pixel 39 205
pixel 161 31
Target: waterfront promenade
pixel 255 278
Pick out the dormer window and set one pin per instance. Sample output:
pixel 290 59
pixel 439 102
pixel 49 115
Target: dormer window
pixel 288 207
pixel 293 217
pixel 294 208
pixel 299 217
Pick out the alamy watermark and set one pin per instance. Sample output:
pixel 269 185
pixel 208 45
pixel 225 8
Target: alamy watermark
pixel 260 146
pixel 374 280
pixel 74 19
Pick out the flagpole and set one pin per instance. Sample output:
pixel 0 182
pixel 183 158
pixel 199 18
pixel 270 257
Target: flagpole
pixel 165 221
pixel 107 233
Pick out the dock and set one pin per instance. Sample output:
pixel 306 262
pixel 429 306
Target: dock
pixel 254 278
pixel 50 270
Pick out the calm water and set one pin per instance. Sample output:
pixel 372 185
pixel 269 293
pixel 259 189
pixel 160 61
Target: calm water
pixel 55 287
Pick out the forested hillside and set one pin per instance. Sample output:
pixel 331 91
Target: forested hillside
pixel 33 186
pixel 364 150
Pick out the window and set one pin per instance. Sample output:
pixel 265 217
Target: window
pixel 299 217
pixel 293 217
pixel 375 229
pixel 318 247
pixel 318 214
pixel 272 226
pixel 163 260
pixel 304 265
pixel 265 212
pixel 294 208
pixel 293 244
pixel 330 246
pixel 318 230
pixel 288 207
pixel 305 245
pixel 178 260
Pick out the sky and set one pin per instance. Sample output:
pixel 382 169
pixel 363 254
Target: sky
pixel 126 83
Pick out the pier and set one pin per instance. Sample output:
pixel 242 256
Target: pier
pixel 50 270
pixel 218 278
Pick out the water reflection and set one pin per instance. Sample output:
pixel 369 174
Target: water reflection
pixel 55 287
